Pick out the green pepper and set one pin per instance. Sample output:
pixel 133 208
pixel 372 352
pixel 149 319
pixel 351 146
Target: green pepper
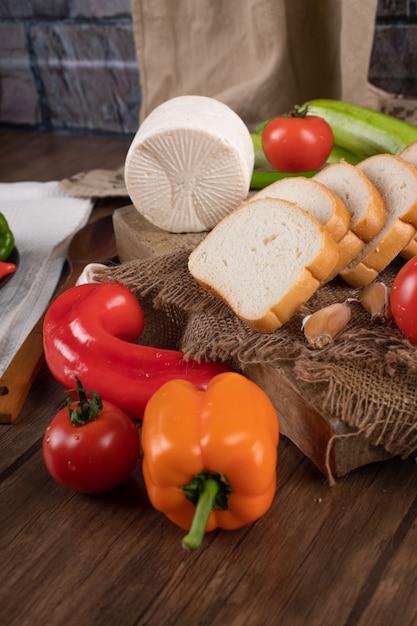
pixel 261 179
pixel 6 239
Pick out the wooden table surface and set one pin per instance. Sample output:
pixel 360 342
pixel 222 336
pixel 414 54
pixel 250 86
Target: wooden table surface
pixel 342 555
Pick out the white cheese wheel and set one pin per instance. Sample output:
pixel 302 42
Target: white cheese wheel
pixel 189 164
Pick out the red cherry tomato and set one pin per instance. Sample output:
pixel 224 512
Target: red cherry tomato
pixel 404 300
pixel 93 457
pixel 297 143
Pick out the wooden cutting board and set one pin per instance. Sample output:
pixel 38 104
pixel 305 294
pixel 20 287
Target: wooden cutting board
pixel 322 438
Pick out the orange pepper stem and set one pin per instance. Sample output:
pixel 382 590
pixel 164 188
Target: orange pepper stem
pixel 207 491
pixel 205 503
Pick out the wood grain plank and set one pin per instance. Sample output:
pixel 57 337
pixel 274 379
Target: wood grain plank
pixel 124 559
pixel 44 400
pixel 310 563
pixel 36 156
pixel 389 594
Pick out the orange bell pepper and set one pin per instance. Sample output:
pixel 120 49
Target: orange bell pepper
pixel 209 456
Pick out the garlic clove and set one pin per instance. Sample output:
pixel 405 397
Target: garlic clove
pixel 375 298
pixel 322 326
pixel 88 273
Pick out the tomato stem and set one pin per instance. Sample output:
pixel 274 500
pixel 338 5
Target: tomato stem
pixel 87 408
pixel 299 111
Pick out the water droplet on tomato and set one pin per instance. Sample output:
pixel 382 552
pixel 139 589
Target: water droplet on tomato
pixel 71 466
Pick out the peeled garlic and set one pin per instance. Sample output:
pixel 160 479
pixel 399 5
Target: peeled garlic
pixel 375 298
pixel 322 326
pixel 88 273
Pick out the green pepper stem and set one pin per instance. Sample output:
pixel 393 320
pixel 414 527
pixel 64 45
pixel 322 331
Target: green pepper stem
pixel 205 504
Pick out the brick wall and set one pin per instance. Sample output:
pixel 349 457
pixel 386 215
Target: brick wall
pixel 393 64
pixel 70 64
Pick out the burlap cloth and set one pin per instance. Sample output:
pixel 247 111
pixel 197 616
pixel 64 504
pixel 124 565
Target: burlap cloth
pixel 259 56
pixel 368 375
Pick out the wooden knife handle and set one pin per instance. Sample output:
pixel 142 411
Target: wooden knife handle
pixel 18 378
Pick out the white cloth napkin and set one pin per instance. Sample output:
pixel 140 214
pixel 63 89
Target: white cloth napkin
pixel 43 220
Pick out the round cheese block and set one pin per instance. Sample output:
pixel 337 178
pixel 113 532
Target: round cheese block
pixel 189 164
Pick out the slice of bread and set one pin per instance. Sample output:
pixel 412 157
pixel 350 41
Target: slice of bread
pixel 323 204
pixel 363 201
pixel 360 195
pixel 264 259
pixel 396 180
pixel 314 197
pixel 410 155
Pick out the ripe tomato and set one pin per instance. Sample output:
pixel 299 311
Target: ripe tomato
pixel 404 300
pixel 95 456
pixel 297 143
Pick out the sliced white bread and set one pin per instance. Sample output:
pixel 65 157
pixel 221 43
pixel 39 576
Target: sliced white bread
pixel 360 195
pixel 264 260
pixel 314 197
pixel 396 180
pixel 410 155
pixel 321 202
pixel 363 201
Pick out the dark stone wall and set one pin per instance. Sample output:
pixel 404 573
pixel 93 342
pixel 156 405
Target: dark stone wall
pixel 68 65
pixel 393 64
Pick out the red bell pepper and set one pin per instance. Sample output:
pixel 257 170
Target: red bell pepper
pixel 89 332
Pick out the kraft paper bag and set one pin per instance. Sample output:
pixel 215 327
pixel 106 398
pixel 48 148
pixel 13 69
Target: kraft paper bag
pixel 261 57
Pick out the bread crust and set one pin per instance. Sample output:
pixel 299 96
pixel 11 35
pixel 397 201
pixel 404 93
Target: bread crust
pixel 373 218
pixel 410 250
pixel 339 223
pixel 339 220
pixel 399 235
pixel 349 248
pixel 381 256
pixel 327 258
pixel 361 276
pixel 303 287
pixel 410 155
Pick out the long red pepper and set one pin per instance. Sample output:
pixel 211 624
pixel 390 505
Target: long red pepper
pixel 7 268
pixel 89 332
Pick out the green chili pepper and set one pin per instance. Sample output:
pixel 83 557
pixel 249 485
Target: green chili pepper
pixel 262 179
pixel 6 239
